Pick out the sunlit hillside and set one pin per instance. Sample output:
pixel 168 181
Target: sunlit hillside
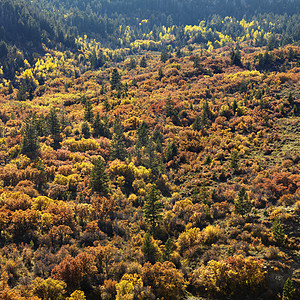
pixel 149 149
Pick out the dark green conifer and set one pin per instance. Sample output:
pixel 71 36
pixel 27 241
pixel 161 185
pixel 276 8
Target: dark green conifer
pixel 171 150
pixel 10 88
pixel 160 73
pixel 234 161
pixel 242 205
pixel 169 107
pixel 54 127
pixel 178 53
pixel 235 57
pixel 206 113
pixel 88 111
pixel 290 99
pixel 148 248
pixel 164 56
pixel 42 180
pixel 143 63
pixel 132 64
pixel 149 157
pixel 30 144
pixel 41 126
pixel 143 135
pixel 169 249
pixel 295 110
pixel 22 92
pixel 278 232
pixel 118 141
pixel 197 124
pixel 100 128
pixel 115 81
pixel 153 208
pixel 30 91
pixel 86 130
pixel 158 138
pixel 99 178
pixel 94 60
pixel 208 160
pixel 64 122
pixel 196 63
pixel 234 106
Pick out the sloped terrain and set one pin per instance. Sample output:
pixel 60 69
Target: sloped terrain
pixel 152 173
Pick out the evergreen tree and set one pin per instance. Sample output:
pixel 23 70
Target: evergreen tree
pixel 143 63
pixel 106 104
pixel 105 122
pixel 64 122
pixel 41 126
pixel 291 54
pixel 208 160
pixel 115 81
pixel 235 57
pixel 30 92
pixel 178 53
pixel 125 86
pixel 169 249
pixel 3 49
pixel 118 141
pixel 295 110
pixel 206 113
pixel 30 144
pixel 42 180
pixel 242 205
pixel 99 178
pixel 234 106
pixel 290 99
pixel 278 232
pixel 143 135
pixel 234 161
pixel 153 162
pixel 160 73
pixel 97 60
pixel 197 124
pixel 54 127
pixel 158 138
pixel 153 208
pixel 101 59
pixel 94 59
pixel 288 290
pixel 88 112
pixel 164 56
pixel 148 248
pixel 265 62
pixel 22 92
pixel 169 107
pixel 97 126
pixel 100 128
pixel 196 63
pixel 171 151
pixel 86 130
pixel 10 88
pixel 132 64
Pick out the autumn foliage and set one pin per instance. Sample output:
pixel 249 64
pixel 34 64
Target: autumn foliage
pixel 161 168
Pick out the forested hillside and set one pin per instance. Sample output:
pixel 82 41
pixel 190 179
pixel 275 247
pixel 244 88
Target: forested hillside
pixel 182 12
pixel 149 150
pixel 27 29
pixel 23 31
